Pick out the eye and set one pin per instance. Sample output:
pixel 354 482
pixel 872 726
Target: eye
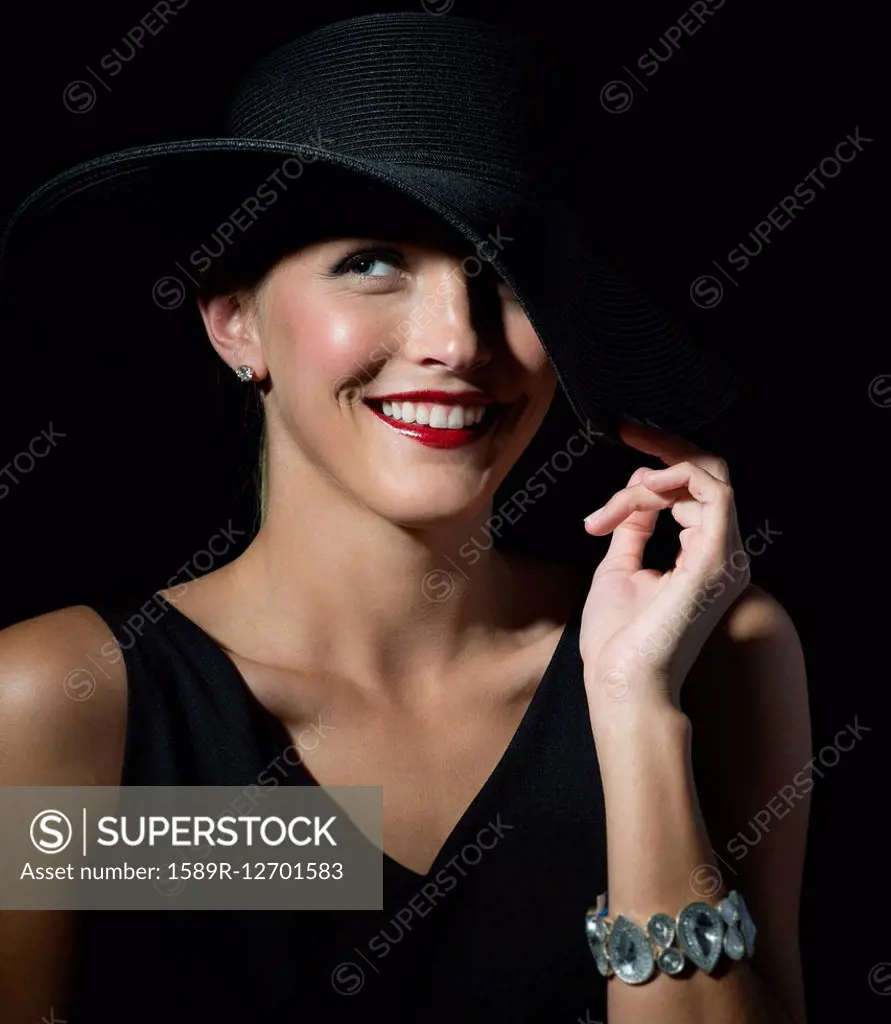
pixel 370 264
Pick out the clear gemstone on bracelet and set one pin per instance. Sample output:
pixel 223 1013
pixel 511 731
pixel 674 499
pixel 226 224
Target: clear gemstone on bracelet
pixel 629 952
pixel 734 944
pixel 660 928
pixel 729 911
pixel 601 959
pixel 746 924
pixel 596 926
pixel 597 932
pixel 700 934
pixel 671 961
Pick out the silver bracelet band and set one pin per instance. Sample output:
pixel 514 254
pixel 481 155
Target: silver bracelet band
pixel 698 934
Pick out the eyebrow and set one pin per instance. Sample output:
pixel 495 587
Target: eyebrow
pixel 395 240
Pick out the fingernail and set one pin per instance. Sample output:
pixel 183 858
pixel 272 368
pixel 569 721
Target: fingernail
pixel 594 514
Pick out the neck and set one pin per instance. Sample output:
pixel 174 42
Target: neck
pixel 338 585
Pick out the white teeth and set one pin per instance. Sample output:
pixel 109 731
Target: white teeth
pixel 443 417
pixel 439 416
pixel 456 418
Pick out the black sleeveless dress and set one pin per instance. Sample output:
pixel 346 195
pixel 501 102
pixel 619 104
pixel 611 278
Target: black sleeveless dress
pixel 494 937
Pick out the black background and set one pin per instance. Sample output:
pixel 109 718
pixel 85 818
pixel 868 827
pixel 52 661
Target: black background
pixel 155 456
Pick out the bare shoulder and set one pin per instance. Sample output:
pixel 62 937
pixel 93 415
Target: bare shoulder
pixel 747 699
pixel 752 664
pixel 757 614
pixel 59 726
pixel 63 722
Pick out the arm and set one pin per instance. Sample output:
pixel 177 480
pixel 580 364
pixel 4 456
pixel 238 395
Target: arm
pixel 51 740
pixel 745 723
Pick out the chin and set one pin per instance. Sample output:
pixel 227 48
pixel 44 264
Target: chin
pixel 429 506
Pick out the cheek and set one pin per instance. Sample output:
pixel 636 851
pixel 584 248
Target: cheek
pixel 528 352
pixel 318 349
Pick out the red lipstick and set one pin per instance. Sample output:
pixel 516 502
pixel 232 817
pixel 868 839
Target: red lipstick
pixel 438 397
pixel 437 437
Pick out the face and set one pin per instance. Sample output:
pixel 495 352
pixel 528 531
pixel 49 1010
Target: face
pixel 410 378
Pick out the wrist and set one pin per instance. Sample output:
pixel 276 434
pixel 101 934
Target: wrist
pixel 638 723
pixel 626 695
pixel 645 765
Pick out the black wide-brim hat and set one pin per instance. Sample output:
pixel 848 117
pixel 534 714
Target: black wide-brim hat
pixel 459 116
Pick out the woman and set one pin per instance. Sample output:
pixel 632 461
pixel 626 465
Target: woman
pixel 545 721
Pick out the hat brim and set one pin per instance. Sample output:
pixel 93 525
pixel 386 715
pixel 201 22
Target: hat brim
pixel 614 352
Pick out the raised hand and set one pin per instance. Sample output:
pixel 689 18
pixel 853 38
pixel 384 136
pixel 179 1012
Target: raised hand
pixel 641 629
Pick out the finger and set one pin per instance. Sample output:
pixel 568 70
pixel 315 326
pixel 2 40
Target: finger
pixel 672 449
pixel 687 512
pixel 698 481
pixel 685 484
pixel 713 464
pixel 624 503
pixel 630 538
pixel 714 496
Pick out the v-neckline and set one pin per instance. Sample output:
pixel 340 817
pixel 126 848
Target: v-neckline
pixel 273 724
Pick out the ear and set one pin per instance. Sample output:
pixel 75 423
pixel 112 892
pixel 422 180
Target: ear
pixel 231 324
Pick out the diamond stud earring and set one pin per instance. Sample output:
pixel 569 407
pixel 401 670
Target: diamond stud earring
pixel 245 373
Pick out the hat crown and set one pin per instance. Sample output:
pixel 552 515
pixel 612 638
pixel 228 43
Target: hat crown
pixel 407 89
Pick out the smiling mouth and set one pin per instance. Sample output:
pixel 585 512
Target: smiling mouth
pixel 437 424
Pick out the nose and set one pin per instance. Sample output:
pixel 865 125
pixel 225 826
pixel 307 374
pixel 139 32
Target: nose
pixel 447 326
